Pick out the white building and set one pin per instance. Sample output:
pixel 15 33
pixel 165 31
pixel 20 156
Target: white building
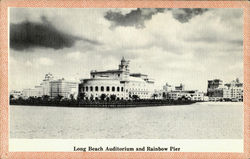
pixel 193 95
pixel 45 85
pixel 53 88
pixel 117 82
pixel 15 94
pixel 31 92
pixel 168 88
pixel 66 89
pixel 178 92
pixel 233 91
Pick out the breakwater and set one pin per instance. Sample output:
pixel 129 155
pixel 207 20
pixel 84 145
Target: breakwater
pixel 98 103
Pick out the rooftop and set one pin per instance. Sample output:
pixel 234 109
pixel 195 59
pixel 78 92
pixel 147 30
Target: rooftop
pixel 107 71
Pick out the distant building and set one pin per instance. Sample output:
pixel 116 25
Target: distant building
pixel 52 88
pixel 232 91
pixel 15 94
pixel 167 87
pixel 66 89
pixel 45 85
pixel 193 95
pixel 40 90
pixel 119 82
pixel 180 88
pixel 31 92
pixel 215 89
pixel 179 92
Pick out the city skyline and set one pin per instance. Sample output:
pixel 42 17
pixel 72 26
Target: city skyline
pixel 196 46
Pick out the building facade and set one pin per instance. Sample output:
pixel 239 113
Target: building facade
pixel 232 91
pixel 52 88
pixel 45 85
pixel 15 94
pixel 31 92
pixel 120 83
pixel 179 92
pixel 66 89
pixel 215 90
pixel 168 88
pixel 193 95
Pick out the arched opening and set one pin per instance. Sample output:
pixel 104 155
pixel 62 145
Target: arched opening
pixel 113 89
pixel 102 88
pixel 87 88
pixel 118 89
pixel 91 88
pixel 96 88
pixel 107 89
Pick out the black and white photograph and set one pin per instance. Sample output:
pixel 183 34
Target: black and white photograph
pixel 126 73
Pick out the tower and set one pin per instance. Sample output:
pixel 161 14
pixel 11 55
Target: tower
pixel 124 67
pixel 46 84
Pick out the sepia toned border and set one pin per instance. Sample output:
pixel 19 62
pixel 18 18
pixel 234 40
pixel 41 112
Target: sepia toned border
pixel 4 115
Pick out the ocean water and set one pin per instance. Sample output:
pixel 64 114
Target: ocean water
pixel 197 121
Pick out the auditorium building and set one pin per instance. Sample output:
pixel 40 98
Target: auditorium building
pixel 119 82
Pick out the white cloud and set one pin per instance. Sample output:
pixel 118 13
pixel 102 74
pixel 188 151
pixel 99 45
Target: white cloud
pixel 44 61
pixel 74 55
pixel 28 63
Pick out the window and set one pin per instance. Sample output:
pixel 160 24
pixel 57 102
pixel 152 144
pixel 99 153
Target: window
pixel 86 89
pixel 113 89
pixel 118 75
pixel 107 89
pixel 122 89
pixel 93 76
pixel 118 89
pixel 102 88
pixel 91 88
pixel 96 88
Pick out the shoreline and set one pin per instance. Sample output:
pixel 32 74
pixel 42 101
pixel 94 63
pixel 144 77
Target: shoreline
pixel 103 104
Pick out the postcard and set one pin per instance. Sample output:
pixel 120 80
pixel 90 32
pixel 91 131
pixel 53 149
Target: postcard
pixel 112 79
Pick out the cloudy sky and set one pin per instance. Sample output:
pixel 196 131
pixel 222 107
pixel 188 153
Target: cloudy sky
pixel 186 46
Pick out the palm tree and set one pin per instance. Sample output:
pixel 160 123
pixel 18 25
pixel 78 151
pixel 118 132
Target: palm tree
pixel 81 96
pixel 113 97
pixel 45 98
pixel 72 97
pixel 155 95
pixel 11 97
pixel 135 97
pixel 164 95
pixel 103 96
pixel 91 97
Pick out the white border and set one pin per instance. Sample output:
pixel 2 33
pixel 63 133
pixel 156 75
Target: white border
pixel 67 145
